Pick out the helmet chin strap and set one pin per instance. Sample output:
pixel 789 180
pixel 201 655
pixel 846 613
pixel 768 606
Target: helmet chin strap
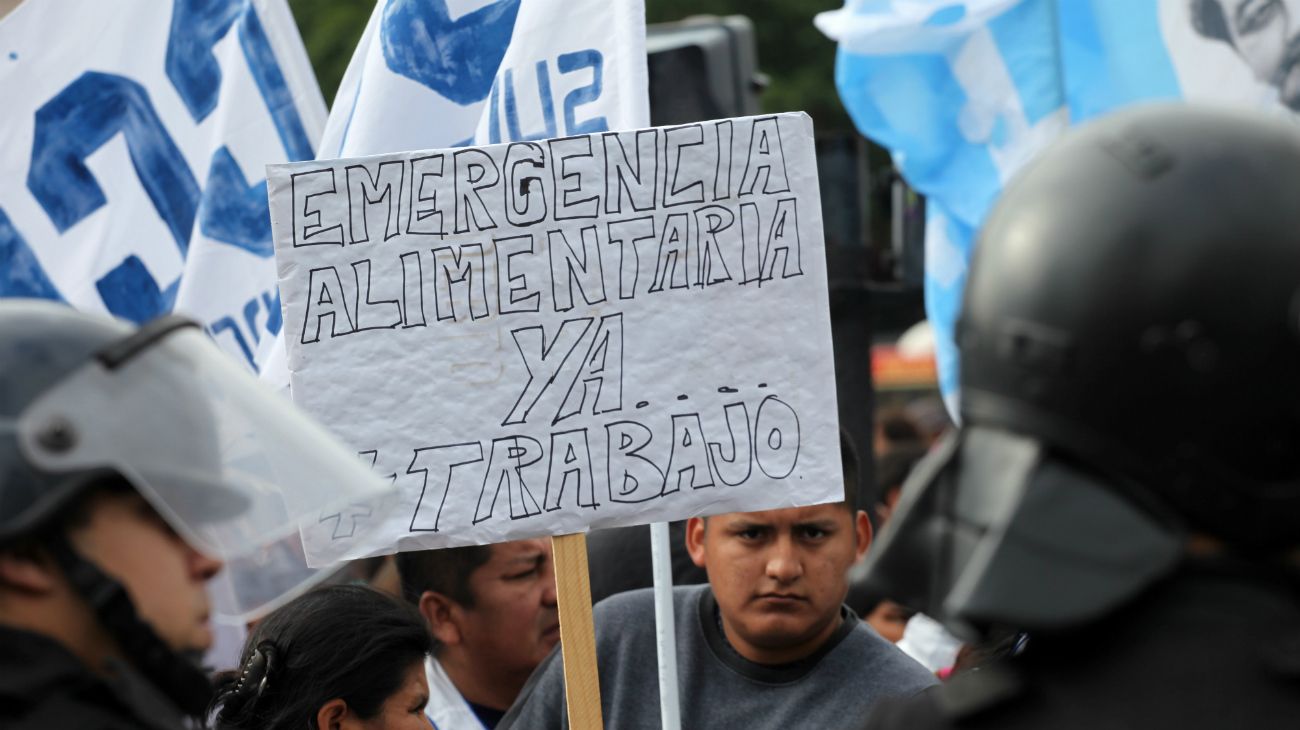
pixel 178 678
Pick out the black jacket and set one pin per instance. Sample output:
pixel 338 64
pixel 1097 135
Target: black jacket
pixel 45 687
pixel 1217 646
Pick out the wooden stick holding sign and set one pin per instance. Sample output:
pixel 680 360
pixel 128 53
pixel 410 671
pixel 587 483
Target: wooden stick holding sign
pixel 577 632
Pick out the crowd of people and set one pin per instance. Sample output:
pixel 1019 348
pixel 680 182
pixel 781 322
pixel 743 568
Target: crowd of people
pixel 1111 539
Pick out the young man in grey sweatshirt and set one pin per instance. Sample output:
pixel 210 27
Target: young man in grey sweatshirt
pixel 767 643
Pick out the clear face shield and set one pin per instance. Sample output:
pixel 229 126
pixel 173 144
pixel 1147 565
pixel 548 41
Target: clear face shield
pixel 992 529
pixel 229 464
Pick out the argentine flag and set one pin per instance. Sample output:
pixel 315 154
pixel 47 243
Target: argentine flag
pixel 964 93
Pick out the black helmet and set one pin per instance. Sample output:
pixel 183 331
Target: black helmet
pixel 1130 372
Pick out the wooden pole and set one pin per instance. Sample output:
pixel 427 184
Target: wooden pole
pixel 577 632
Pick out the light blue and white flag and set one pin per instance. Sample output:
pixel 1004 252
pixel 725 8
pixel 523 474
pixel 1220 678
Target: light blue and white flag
pixel 433 74
pixel 133 140
pixel 964 93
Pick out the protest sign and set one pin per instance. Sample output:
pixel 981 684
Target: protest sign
pixel 539 337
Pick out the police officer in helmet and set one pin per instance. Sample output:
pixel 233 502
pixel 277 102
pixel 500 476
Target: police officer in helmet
pixel 133 463
pixel 1126 485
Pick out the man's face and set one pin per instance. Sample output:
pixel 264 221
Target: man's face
pixel 779 576
pixel 162 574
pixel 1263 31
pixel 514 622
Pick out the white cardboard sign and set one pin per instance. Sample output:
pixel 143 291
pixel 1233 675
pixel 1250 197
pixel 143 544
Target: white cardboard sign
pixel 539 337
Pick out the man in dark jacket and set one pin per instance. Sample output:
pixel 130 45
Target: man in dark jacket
pixel 1126 487
pixel 132 462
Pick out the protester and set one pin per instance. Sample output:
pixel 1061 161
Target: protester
pixel 768 643
pixel 343 657
pixel 125 475
pixel 1126 487
pixel 916 634
pixel 887 618
pixel 892 468
pixel 492 612
pixel 895 429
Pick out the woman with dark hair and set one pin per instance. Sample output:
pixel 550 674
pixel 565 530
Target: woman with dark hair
pixel 337 658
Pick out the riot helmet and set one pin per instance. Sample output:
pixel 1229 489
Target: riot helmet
pixel 229 465
pixel 1129 340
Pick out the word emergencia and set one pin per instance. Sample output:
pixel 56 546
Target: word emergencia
pixel 540 337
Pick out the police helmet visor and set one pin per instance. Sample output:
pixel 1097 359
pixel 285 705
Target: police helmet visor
pixel 230 465
pixel 992 528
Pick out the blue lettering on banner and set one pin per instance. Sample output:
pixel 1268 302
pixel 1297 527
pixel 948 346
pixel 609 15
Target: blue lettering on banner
pixel 269 302
pixel 81 119
pixel 572 62
pixel 90 111
pixel 275 92
pixel 197 26
pixel 23 274
pixel 504 88
pixel 456 58
pixel 129 291
pixel 233 211
pixel 544 98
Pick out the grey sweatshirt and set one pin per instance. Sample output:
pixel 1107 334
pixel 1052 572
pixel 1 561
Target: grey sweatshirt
pixel 833 688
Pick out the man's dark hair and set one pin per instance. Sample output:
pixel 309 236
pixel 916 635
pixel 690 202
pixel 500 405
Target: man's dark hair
pixel 444 571
pixel 344 641
pixel 1208 20
pixel 73 515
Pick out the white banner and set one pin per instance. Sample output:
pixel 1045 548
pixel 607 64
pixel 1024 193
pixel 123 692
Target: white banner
pixel 133 143
pixel 451 73
pixel 539 337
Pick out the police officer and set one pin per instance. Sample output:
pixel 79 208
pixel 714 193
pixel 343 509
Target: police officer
pixel 132 464
pixel 1126 487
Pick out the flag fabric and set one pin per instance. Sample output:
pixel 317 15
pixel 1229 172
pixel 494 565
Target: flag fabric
pixel 434 74
pixel 964 93
pixel 133 143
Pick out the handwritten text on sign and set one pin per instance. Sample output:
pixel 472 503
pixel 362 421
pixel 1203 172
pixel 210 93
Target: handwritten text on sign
pixel 537 337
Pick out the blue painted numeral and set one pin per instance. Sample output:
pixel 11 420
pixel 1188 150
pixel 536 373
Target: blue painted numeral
pixel 568 63
pixel 197 25
pixel 21 274
pixel 233 211
pixel 80 120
